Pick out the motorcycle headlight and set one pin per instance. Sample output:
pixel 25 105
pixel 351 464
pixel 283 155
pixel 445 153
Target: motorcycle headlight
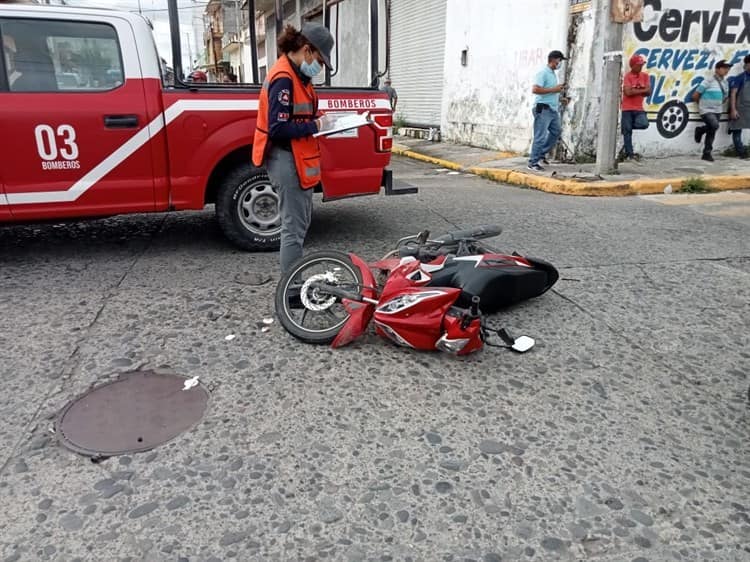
pixel 451 346
pixel 402 302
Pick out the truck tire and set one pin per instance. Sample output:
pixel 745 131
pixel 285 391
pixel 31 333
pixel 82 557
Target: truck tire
pixel 247 208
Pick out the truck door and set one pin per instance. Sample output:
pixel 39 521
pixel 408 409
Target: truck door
pixel 73 109
pixel 4 207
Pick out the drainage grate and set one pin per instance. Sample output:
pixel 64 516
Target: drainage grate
pixel 137 412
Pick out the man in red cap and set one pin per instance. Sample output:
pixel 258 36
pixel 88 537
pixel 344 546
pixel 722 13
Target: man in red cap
pixel 636 87
pixel 198 76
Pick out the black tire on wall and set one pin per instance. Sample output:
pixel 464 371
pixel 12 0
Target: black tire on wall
pixel 672 119
pixel 247 208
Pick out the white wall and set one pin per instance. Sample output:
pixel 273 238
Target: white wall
pixel 488 102
pixel 583 76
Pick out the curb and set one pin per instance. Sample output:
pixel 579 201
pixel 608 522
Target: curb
pixel 648 186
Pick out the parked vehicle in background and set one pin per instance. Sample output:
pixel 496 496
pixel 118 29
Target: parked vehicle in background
pixel 95 130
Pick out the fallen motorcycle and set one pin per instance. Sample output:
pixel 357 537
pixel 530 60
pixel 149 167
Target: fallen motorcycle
pixel 425 294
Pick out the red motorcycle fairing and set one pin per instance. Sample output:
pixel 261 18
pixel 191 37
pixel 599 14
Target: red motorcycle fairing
pixel 360 313
pixel 387 264
pixel 459 339
pixel 391 264
pixel 414 316
pixel 407 274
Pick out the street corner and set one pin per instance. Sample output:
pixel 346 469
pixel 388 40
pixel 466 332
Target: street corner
pixel 564 179
pixel 402 150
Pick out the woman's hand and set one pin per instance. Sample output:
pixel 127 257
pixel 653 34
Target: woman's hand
pixel 325 121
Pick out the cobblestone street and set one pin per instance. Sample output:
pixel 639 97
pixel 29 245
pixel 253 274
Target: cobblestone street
pixel 622 436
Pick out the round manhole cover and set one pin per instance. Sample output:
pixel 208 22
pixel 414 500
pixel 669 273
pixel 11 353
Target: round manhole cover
pixel 135 413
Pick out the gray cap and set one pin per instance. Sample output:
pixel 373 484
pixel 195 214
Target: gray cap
pixel 320 38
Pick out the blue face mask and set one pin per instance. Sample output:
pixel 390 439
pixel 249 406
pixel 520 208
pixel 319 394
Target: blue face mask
pixel 311 70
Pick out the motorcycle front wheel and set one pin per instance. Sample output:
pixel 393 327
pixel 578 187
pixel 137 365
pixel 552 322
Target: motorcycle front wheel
pixel 303 306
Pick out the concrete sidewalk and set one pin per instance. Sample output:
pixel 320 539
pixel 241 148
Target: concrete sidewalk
pixel 649 176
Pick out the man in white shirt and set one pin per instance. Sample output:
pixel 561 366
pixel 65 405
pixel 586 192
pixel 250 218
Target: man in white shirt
pixel 711 95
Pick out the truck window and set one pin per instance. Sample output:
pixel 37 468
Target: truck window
pixel 55 56
pixel 219 53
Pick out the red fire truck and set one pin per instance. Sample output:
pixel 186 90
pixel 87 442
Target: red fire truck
pixel 90 128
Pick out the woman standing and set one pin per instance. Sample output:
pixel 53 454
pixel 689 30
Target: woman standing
pixel 284 140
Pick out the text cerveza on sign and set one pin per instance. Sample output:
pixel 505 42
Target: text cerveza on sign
pixel 676 72
pixel 729 25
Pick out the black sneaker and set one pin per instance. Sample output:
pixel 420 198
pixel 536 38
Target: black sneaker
pixel 698 134
pixel 707 157
pixel 535 168
pixel 544 161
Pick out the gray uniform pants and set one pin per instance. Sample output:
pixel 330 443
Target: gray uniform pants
pixel 295 204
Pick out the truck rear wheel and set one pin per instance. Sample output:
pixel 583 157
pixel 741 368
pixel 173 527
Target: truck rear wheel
pixel 247 208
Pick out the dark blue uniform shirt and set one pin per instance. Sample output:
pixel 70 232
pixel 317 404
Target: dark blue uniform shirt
pixel 281 127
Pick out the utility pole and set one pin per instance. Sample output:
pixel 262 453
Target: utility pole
pixel 253 41
pixel 238 39
pixel 610 35
pixel 190 52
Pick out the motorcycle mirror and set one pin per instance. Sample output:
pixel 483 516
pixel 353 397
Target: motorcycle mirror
pixel 522 344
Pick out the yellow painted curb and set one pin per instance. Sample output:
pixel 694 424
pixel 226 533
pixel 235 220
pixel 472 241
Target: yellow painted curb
pixel 429 159
pixel 498 156
pixel 649 186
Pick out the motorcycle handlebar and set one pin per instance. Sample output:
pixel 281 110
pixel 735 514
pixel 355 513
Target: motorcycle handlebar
pixel 476 233
pixel 422 247
pixel 423 237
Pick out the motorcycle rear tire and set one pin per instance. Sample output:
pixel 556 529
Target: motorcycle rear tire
pixel 281 300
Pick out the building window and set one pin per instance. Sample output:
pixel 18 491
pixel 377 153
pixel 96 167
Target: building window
pixel 52 56
pixel 289 8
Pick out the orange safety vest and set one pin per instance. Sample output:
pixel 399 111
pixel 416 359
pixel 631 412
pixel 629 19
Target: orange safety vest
pixel 306 150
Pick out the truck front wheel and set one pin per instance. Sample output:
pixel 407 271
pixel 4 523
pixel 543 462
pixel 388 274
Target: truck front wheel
pixel 247 208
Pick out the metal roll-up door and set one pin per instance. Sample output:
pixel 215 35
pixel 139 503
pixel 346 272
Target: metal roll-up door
pixel 417 44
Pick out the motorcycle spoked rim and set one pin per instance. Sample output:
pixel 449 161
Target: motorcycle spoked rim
pixel 349 267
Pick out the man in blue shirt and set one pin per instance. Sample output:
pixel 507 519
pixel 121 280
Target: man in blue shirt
pixel 739 108
pixel 547 127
